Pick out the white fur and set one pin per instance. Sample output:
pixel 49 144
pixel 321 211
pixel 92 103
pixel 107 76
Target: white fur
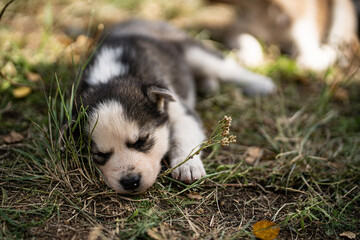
pixel 250 52
pixel 107 66
pixel 311 54
pixel 188 135
pixel 229 71
pixel 343 27
pixel 110 130
pixel 305 34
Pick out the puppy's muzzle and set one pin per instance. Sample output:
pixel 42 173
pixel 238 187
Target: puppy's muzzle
pixel 130 182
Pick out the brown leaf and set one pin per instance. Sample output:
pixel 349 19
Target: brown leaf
pixel 154 234
pixel 13 137
pixel 341 94
pixel 200 211
pixel 95 233
pixel 252 154
pixel 76 49
pixel 63 38
pixel 33 77
pixel 349 235
pixel 266 230
pixel 194 195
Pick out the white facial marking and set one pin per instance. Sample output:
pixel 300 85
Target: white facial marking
pixel 107 125
pixel 107 65
pixel 110 131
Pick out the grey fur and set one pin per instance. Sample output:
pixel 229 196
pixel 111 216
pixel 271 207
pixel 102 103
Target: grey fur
pixel 155 88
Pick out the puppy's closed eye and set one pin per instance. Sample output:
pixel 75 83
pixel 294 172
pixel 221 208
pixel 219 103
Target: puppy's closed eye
pixel 101 158
pixel 142 144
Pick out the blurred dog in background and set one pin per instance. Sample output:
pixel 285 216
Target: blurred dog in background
pixel 317 33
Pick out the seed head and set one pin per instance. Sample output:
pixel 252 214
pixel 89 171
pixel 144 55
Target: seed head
pixel 226 123
pixel 232 138
pixel 225 141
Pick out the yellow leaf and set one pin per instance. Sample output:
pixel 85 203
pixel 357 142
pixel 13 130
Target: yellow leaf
pixel 266 230
pixel 21 92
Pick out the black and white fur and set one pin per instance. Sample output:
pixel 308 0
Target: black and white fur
pixel 139 90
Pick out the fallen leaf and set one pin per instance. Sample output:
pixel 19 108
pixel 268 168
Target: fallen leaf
pixel 76 49
pixel 200 211
pixel 349 235
pixel 82 40
pixel 154 234
pixel 63 38
pixel 33 77
pixel 13 137
pixel 252 154
pixel 341 94
pixel 266 230
pixel 194 195
pixel 9 69
pixel 95 233
pixel 21 92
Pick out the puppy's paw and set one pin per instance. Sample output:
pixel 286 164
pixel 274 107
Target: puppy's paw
pixel 260 85
pixel 190 171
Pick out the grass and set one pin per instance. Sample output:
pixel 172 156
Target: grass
pixel 304 176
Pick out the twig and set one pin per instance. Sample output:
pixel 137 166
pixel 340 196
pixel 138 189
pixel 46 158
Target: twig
pixel 240 185
pixel 12 82
pixel 5 7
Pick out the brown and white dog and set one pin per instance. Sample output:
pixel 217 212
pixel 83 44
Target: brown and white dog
pixel 316 33
pixel 139 93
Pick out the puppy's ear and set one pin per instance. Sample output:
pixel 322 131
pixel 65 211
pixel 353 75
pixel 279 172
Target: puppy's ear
pixel 160 96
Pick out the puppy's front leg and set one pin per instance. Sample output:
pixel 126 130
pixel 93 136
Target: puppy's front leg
pixel 187 134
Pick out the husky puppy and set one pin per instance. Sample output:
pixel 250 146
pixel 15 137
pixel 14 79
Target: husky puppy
pixel 315 32
pixel 139 92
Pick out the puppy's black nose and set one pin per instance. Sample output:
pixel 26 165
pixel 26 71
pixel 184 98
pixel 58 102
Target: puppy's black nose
pixel 130 182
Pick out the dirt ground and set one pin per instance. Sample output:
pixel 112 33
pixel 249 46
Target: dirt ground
pixel 296 161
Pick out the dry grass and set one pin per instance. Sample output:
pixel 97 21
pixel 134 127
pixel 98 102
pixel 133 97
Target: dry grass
pixel 296 161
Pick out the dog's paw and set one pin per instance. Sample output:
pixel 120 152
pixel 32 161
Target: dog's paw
pixel 261 85
pixel 317 60
pixel 249 51
pixel 190 171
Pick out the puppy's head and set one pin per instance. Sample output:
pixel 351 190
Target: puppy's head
pixel 129 134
